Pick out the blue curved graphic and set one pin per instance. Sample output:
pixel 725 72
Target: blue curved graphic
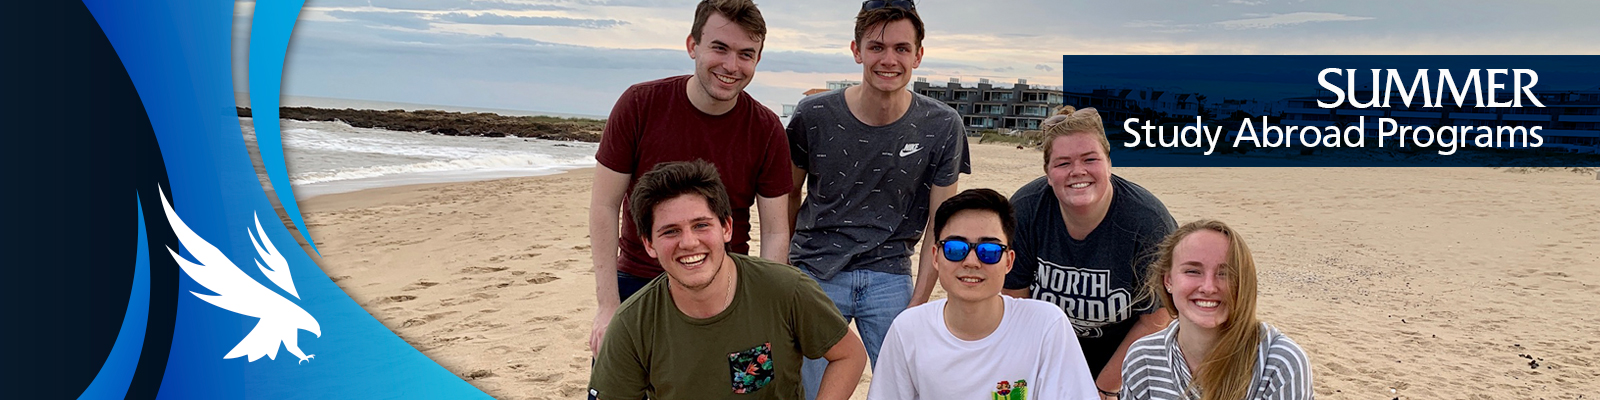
pixel 177 53
pixel 117 373
pixel 269 41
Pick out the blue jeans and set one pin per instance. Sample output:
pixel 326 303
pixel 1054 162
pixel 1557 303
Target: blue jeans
pixel 628 284
pixel 872 299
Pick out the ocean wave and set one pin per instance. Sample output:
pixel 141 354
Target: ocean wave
pixel 532 163
pixel 416 145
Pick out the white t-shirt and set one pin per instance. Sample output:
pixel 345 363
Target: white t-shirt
pixel 1033 354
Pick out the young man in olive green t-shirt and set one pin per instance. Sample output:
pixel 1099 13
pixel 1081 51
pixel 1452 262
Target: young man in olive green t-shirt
pixel 716 324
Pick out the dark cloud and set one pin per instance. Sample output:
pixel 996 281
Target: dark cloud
pixel 391 55
pixel 807 62
pixel 351 60
pixel 946 65
pixel 408 20
pixel 335 41
pixel 497 19
pixel 642 3
pixel 421 21
pixel 439 5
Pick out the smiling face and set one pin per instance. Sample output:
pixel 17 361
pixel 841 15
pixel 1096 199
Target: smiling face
pixel 971 280
pixel 724 61
pixel 888 52
pixel 1201 285
pixel 1079 171
pixel 688 240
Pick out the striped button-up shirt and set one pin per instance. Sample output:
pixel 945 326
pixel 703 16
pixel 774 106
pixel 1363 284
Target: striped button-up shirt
pixel 1155 369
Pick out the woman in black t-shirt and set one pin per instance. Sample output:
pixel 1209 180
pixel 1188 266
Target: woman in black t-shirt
pixel 1084 238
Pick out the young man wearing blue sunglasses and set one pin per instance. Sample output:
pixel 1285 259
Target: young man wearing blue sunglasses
pixel 874 159
pixel 976 343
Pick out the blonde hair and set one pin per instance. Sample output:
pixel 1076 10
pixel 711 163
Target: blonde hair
pixel 1226 372
pixel 1069 121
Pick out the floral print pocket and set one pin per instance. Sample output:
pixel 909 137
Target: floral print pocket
pixel 752 369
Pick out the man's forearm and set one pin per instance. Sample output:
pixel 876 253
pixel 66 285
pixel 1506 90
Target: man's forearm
pixel 775 220
pixel 798 176
pixel 775 246
pixel 605 211
pixel 927 276
pixel 605 216
pixel 837 381
pixel 846 359
pixel 603 252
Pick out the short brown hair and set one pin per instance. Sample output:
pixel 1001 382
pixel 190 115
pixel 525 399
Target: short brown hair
pixel 884 15
pixel 669 180
pixel 1066 123
pixel 981 199
pixel 741 12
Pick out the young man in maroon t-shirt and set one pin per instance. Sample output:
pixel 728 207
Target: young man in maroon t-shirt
pixel 705 116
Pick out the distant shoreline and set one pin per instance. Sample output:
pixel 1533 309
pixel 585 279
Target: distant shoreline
pixel 452 123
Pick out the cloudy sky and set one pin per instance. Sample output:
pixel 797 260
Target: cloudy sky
pixel 577 56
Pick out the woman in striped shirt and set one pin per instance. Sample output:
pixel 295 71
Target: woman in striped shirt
pixel 1216 349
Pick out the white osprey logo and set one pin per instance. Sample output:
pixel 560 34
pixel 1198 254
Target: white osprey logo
pixel 235 291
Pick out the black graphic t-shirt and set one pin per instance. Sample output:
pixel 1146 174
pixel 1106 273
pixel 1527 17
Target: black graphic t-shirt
pixel 1095 280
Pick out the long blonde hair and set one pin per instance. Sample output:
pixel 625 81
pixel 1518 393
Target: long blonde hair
pixel 1069 121
pixel 1226 372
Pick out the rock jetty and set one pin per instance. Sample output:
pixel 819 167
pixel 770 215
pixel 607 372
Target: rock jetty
pixel 453 123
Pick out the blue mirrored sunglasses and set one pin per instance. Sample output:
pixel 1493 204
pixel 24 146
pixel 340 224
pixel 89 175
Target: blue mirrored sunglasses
pixel 876 4
pixel 988 253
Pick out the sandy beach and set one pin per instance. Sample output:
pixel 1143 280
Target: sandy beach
pixel 1425 283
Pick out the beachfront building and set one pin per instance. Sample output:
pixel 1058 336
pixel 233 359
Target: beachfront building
pixel 1570 119
pixel 1164 102
pixel 982 106
pixel 788 109
pixel 986 105
pixel 1223 108
pixel 836 85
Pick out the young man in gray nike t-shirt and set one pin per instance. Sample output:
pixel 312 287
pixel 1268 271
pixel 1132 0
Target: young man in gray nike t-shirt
pixel 873 159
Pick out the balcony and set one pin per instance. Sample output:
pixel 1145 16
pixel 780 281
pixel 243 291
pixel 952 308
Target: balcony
pixel 1002 97
pixel 1031 111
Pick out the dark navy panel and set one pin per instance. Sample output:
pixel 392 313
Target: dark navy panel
pixel 1147 102
pixel 78 149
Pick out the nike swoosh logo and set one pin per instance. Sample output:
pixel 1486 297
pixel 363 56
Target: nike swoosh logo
pixel 909 150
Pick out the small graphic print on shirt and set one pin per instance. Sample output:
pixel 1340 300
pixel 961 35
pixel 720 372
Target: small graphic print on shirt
pixel 1085 294
pixel 1005 390
pixel 752 369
